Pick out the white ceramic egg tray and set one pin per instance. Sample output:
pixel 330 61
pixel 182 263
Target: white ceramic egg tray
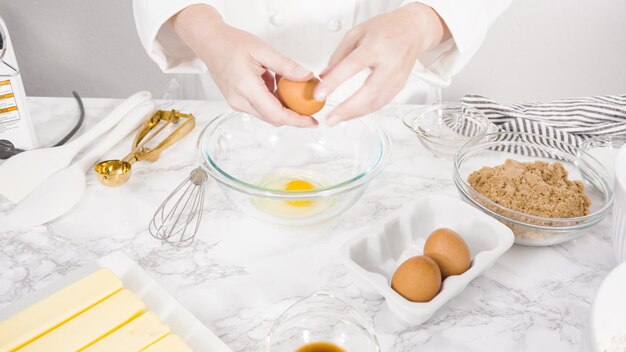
pixel 374 255
pixel 156 298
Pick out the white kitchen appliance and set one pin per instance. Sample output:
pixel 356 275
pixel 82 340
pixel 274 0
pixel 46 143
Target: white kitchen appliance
pixel 15 122
pixel 619 207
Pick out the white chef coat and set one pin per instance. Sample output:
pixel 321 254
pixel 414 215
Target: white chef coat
pixel 309 31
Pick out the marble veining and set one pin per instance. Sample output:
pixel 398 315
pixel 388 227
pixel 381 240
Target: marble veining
pixel 239 274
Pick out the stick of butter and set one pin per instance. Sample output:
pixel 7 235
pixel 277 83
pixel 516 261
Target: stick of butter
pixel 91 325
pixel 170 343
pixel 56 309
pixel 134 336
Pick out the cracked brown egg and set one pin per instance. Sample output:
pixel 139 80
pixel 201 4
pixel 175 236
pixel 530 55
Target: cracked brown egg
pixel 298 96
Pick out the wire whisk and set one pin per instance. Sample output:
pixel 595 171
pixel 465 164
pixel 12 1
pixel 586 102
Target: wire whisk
pixel 178 218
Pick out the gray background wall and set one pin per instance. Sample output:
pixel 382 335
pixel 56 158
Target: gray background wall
pixel 537 50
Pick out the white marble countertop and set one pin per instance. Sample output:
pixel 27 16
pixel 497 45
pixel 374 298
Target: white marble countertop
pixel 240 274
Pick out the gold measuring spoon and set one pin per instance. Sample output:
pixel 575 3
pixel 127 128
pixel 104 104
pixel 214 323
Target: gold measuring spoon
pixel 114 173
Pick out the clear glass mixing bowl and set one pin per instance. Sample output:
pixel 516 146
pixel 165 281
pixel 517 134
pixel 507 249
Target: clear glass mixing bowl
pixel 254 162
pixel 322 317
pixel 444 128
pixel 494 149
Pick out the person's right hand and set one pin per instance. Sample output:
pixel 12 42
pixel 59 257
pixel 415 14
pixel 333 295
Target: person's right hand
pixel 242 65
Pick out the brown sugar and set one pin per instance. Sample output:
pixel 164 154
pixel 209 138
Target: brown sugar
pixel 534 188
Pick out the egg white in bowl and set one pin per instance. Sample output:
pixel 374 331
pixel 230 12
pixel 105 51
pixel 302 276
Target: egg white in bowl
pixel 329 168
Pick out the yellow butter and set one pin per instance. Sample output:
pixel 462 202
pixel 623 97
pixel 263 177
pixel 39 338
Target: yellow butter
pixel 170 343
pixel 57 308
pixel 134 336
pixel 91 325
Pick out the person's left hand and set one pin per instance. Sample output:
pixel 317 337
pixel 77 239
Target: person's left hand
pixel 389 45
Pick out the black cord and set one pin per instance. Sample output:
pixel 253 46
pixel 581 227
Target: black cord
pixel 81 119
pixel 7 149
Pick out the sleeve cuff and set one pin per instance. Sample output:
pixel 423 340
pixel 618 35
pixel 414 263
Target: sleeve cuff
pixel 466 20
pixel 158 38
pixel 468 24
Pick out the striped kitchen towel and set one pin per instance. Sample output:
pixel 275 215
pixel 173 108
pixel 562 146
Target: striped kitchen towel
pixel 567 120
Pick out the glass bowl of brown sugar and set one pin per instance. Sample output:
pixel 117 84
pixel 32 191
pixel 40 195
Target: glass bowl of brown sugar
pixel 546 190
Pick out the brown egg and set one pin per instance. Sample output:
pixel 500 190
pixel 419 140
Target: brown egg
pixel 298 96
pixel 418 279
pixel 449 250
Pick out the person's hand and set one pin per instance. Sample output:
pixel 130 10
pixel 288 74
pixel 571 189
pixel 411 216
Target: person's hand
pixel 241 65
pixel 389 45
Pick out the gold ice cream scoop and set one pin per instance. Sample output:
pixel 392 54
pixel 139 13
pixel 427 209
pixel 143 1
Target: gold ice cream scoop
pixel 114 173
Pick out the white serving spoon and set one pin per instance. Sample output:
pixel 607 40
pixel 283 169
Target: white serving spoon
pixel 62 191
pixel 22 173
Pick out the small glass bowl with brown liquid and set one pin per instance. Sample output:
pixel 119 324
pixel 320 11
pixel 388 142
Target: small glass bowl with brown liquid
pixel 322 323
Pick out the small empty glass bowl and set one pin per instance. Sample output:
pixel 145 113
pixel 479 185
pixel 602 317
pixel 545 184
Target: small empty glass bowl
pixel 444 128
pixel 288 175
pixel 322 318
pixel 494 149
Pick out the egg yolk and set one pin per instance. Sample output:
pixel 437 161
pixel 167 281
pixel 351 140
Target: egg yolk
pixel 299 185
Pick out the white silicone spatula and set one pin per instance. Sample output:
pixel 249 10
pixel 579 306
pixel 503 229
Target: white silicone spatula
pixel 20 174
pixel 62 191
